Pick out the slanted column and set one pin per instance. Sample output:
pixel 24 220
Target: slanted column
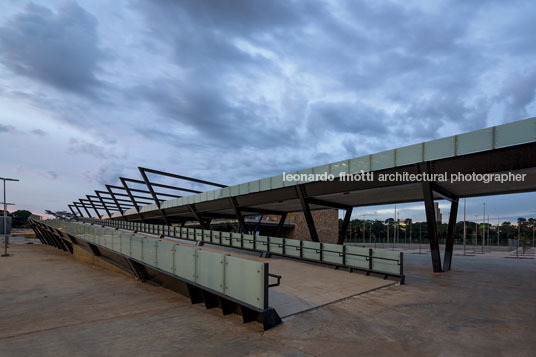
pixel 238 214
pixel 302 195
pixel 280 225
pixel 432 226
pixel 451 233
pixel 344 228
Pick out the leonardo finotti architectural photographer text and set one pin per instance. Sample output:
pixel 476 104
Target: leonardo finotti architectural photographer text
pixel 407 177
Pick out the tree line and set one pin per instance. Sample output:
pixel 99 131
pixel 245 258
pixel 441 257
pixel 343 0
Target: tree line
pixel 366 231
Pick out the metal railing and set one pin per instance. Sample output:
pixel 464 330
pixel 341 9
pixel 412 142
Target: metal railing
pixel 239 279
pixel 370 260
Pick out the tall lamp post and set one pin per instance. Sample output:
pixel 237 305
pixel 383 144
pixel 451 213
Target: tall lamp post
pixel 476 234
pixel 464 228
pixel 5 215
pixel 484 228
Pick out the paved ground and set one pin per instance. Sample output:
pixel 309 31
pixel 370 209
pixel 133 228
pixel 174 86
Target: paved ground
pixel 51 305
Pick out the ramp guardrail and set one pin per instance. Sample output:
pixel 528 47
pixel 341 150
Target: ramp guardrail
pixel 208 275
pixel 369 260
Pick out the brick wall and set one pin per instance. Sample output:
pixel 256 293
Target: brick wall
pixel 326 223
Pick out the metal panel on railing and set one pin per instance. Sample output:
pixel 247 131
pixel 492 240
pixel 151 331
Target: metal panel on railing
pixel 332 253
pixel 210 270
pixel 276 245
pixel 238 272
pixel 198 235
pixel 357 257
pixel 293 247
pixel 249 241
pixel 226 238
pixel 165 252
pixel 137 247
pixel 236 240
pixel 384 262
pixel 126 242
pixel 261 244
pixel 311 250
pixel 149 252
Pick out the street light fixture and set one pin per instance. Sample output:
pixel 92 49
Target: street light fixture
pixel 5 215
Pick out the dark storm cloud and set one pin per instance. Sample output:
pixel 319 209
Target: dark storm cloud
pixel 203 36
pixel 7 128
pixel 519 91
pixel 49 174
pixel 38 132
pixel 79 146
pixel 215 117
pixel 59 48
pixel 347 117
pixel 109 173
pixel 417 61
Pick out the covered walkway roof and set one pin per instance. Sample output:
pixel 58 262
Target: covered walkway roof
pixel 506 148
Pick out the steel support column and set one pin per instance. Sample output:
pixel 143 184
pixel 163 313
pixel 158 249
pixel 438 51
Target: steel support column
pixel 451 233
pixel 258 223
pixel 78 209
pixel 432 225
pixel 344 227
pixel 85 208
pixel 202 223
pixel 129 193
pixel 302 194
pixel 153 194
pixel 280 225
pixel 109 188
pixel 104 204
pixel 238 214
pixel 72 211
pixel 93 205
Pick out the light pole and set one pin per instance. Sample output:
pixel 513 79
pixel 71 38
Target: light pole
pixel 532 235
pixel 476 234
pixel 387 233
pixel 484 228
pixel 464 228
pixel 395 230
pixel 398 228
pixel 5 215
pixel 410 232
pixel 420 236
pixel 518 236
pixel 498 232
pixel 364 229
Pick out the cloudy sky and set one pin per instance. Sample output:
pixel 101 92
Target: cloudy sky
pixel 231 91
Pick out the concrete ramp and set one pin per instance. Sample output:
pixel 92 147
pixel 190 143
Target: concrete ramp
pixel 305 286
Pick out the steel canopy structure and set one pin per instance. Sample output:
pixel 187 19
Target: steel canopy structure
pixel 507 148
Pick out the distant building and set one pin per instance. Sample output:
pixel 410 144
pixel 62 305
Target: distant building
pixel 438 215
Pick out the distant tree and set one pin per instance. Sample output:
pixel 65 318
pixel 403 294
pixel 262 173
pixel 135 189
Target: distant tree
pixel 20 218
pixel 61 215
